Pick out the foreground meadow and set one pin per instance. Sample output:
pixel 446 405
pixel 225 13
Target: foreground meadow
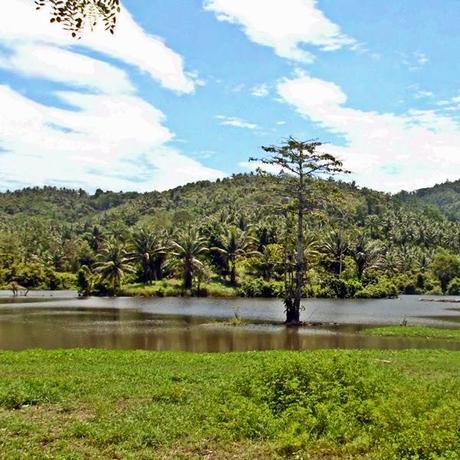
pixel 322 404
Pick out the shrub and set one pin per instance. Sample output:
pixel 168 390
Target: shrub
pixel 30 275
pixel 259 287
pixel 435 291
pixel 453 287
pixel 381 289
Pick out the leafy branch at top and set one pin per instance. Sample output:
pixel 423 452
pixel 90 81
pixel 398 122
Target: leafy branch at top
pixel 75 15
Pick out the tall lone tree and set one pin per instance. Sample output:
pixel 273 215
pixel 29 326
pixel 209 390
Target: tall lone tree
pixel 75 15
pixel 302 161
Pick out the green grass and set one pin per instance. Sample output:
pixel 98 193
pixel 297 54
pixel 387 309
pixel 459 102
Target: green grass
pixel 323 404
pixel 173 288
pixel 415 331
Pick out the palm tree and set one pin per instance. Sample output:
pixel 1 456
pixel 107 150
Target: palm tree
pixel 336 247
pixel 390 260
pixel 233 243
pixel 373 224
pixel 113 264
pixel 269 262
pixel 95 238
pixel 187 250
pixel 366 254
pixel 149 251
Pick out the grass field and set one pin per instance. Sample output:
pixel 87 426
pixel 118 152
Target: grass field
pixel 415 331
pixel 324 404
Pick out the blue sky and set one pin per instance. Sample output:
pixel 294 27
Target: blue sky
pixel 189 89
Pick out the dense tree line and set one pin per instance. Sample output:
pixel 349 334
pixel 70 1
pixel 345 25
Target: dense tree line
pixel 232 236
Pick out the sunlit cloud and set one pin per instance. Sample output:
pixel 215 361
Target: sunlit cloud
pixel 235 122
pixel 20 24
pixel 284 25
pixel 384 150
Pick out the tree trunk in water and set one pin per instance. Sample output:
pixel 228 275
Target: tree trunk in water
pixel 188 278
pixel 293 315
pixel 233 275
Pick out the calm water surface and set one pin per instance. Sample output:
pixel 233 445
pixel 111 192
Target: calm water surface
pixel 61 320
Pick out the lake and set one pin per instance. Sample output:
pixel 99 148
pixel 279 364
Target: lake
pixel 59 319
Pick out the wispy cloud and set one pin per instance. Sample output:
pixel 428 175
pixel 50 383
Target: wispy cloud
pixel 260 90
pixel 284 25
pixel 421 94
pixel 21 24
pixel 106 136
pixel 386 151
pixel 63 66
pixel 414 61
pixel 235 122
pixel 110 141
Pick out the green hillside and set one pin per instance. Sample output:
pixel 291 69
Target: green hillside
pixel 360 242
pixel 445 197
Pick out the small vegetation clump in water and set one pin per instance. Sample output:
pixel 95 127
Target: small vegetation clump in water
pixel 324 404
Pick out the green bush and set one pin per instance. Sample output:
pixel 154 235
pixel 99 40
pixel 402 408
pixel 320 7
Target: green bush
pixel 409 283
pixel 381 289
pixel 259 287
pixel 345 289
pixel 436 290
pixel 453 287
pixel 334 287
pixel 60 280
pixel 30 275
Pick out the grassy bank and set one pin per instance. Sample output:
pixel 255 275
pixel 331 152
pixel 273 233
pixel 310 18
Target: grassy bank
pixel 173 288
pixel 415 331
pixel 133 404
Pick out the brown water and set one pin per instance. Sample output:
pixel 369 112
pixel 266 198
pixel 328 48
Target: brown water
pixel 60 320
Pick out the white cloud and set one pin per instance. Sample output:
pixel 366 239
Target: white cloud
pixel 260 90
pixel 284 25
pixel 385 151
pixel 59 65
pixel 21 24
pixel 109 137
pixel 235 122
pixel 414 61
pixel 237 88
pixel 110 141
pixel 421 58
pixel 421 94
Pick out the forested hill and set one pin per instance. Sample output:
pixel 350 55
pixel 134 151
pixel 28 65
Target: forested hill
pixel 445 196
pixel 239 193
pixel 359 242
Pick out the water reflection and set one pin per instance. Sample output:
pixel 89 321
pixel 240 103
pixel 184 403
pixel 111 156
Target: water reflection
pixel 125 328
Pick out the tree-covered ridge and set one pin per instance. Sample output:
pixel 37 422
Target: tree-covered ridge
pixel 235 235
pixel 445 197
